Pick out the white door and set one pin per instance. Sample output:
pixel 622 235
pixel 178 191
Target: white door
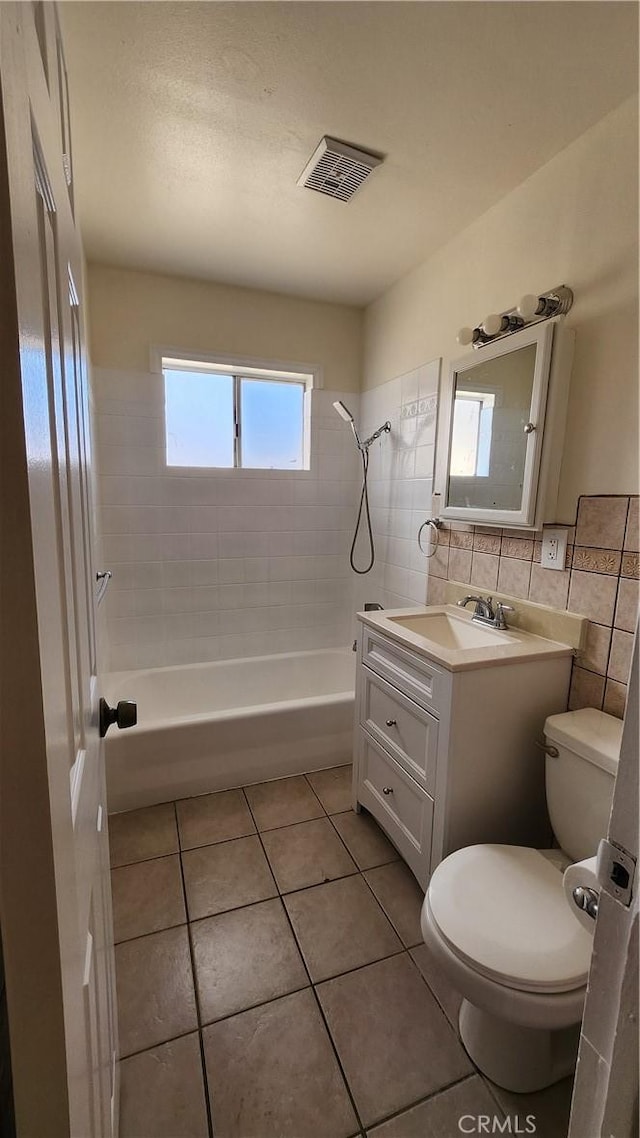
pixel 605 1093
pixel 55 901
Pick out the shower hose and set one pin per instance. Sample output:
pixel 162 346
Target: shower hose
pixel 363 508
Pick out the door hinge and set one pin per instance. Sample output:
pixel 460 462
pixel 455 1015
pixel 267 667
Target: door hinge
pixel 616 871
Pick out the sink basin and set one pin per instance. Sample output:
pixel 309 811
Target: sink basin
pixel 449 631
pixel 447 635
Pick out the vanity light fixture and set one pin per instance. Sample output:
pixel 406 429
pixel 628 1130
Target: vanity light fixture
pixel 530 309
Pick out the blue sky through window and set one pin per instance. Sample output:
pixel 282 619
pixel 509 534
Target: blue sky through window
pixel 198 418
pixel 272 424
pixel 199 421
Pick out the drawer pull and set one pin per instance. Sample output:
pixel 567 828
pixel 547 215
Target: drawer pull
pixel 387 790
pixel 391 723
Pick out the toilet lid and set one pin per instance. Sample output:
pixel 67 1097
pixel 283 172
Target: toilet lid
pixel 503 910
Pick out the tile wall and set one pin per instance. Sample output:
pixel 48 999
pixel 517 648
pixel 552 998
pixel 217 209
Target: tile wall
pixel 400 484
pixel 217 564
pixel 600 581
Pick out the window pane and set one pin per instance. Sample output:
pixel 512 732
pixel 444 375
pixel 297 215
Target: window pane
pixel 198 418
pixel 464 440
pixel 272 424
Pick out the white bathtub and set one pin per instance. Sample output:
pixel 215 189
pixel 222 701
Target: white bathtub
pixel 204 727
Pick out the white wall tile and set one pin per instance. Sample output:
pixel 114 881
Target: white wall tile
pixel 217 564
pixel 401 483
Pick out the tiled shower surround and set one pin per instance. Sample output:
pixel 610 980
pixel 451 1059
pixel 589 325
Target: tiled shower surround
pixel 214 564
pixel 401 482
pixel 211 565
pixel 600 581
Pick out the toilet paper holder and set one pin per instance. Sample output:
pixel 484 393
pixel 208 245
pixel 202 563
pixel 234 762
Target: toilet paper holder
pixel 586 899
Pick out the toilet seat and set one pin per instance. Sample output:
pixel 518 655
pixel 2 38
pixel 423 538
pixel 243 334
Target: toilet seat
pixel 503 911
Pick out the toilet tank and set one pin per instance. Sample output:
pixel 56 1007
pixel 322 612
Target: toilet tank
pixel 580 780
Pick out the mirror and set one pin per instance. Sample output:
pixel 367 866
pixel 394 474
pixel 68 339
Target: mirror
pixel 492 428
pixel 491 404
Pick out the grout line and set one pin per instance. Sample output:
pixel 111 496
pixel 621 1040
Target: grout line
pixel 152 1047
pixel 427 1098
pixel 366 868
pixel 223 841
pixel 143 860
pixel 315 795
pixel 254 1007
pixel 152 932
pixel 318 1004
pixel 360 967
pixel 433 992
pixel 492 1091
pixel 316 884
pixel 387 915
pixel 203 1065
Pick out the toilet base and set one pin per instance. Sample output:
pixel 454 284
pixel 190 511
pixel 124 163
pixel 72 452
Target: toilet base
pixel 520 1059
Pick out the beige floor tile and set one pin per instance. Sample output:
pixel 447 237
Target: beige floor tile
pixel 213 818
pixel 394 1042
pixel 243 958
pixel 551 1107
pixel 364 839
pixel 401 898
pixel 442 988
pixel 141 834
pixel 147 897
pixel 272 1073
pixel 440 1116
pixel 162 1092
pixel 306 854
pixel 226 876
pixel 333 788
pixel 283 802
pixel 340 926
pixel 156 1000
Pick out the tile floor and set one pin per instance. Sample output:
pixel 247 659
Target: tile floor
pixel 272 980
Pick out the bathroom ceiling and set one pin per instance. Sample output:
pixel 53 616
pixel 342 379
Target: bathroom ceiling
pixel 192 122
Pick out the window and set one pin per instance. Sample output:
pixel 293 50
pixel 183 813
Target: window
pixel 471 436
pixel 227 418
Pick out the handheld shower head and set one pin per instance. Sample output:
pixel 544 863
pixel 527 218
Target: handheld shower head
pixel 345 414
pixel 343 411
pixel 363 508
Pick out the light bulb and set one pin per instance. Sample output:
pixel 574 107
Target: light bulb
pixel 529 306
pixel 465 337
pixel 492 324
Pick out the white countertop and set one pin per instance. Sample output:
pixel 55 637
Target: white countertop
pixel 512 645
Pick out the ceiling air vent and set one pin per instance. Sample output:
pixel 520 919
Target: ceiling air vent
pixel 337 169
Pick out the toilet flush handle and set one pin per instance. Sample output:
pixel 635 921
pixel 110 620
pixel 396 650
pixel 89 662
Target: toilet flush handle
pixel 587 900
pixel 548 749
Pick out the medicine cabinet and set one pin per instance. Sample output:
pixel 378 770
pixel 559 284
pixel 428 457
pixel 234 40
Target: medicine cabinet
pixel 501 430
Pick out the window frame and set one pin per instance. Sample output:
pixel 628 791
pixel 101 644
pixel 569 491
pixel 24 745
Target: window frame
pixel 238 368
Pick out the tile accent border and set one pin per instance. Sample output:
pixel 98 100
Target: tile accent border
pixel 600 581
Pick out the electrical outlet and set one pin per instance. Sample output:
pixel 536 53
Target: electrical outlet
pixel 554 547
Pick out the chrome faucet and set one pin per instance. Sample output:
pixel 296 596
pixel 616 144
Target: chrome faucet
pixel 484 611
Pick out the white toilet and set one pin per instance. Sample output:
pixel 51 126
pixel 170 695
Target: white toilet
pixel 497 920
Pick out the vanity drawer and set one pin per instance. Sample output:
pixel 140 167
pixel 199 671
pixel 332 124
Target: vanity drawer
pixel 402 808
pixel 423 681
pixel 407 731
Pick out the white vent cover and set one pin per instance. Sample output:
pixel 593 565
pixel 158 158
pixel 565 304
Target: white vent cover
pixel 337 169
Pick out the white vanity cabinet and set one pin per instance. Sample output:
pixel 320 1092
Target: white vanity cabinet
pixel 447 758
